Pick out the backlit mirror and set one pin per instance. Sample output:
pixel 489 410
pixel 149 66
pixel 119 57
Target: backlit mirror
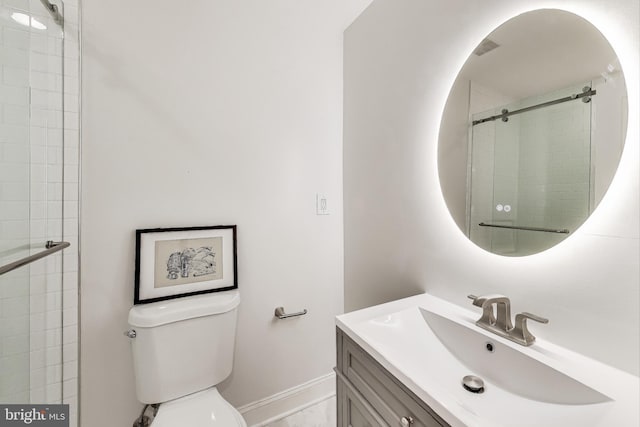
pixel 532 132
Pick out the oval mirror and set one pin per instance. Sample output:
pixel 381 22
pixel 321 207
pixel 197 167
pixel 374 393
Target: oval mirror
pixel 532 132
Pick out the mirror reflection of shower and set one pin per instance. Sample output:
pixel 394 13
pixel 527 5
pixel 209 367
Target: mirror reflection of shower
pixel 532 132
pixel 530 172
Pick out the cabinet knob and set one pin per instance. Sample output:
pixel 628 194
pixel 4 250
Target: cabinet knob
pixel 407 421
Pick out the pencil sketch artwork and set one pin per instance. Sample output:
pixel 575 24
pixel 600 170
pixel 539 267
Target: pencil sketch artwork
pixel 188 261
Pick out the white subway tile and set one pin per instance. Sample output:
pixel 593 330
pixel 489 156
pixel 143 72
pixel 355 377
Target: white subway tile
pixel 38 284
pixel 54 281
pixel 14 326
pixel 15 153
pixel 14 57
pixel 37 340
pixel 70 264
pixel 71 120
pixel 71 139
pixel 38 210
pixel 38 378
pixel 70 277
pixel 37 359
pixel 71 103
pixel 54 173
pixel 16 114
pixel 17 38
pixel 71 84
pixel 54 229
pixel 53 393
pixel 37 395
pixel 15 345
pixel 15 76
pixel 54 209
pixel 37 322
pixel 70 191
pixel 71 67
pixel 38 155
pixel 15 230
pixel 53 337
pixel 54 373
pixel 38 229
pixel 70 388
pixel 69 335
pixel 44 117
pixel 14 95
pixel 21 5
pixel 13 210
pixel 71 209
pixel 15 307
pixel 70 352
pixel 14 172
pixel 17 191
pixel 71 173
pixel 53 320
pixel 69 370
pixel 69 316
pixel 37 304
pixel 54 137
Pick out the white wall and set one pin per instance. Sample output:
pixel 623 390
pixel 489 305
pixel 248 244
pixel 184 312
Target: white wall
pixel 215 112
pixel 400 61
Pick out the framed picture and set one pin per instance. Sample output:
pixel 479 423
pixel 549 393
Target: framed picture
pixel 179 262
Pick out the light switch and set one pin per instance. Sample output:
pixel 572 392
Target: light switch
pixel 322 204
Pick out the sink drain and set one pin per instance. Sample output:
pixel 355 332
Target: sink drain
pixel 473 384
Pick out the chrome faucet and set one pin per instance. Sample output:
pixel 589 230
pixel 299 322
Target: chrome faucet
pixel 499 321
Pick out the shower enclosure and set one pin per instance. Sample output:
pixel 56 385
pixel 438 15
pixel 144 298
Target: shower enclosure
pixel 530 171
pixel 38 203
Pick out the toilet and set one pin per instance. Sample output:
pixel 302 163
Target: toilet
pixel 182 348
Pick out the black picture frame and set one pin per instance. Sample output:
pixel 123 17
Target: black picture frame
pixel 180 262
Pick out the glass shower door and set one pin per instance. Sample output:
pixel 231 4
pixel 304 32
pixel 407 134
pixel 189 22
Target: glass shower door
pixel 31 189
pixel 530 174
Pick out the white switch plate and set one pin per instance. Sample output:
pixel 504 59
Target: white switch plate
pixel 322 204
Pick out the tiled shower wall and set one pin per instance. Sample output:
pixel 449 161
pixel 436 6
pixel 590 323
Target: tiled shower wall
pixel 40 129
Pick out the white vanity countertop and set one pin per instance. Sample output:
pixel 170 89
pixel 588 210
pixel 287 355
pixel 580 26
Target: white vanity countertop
pixel 397 336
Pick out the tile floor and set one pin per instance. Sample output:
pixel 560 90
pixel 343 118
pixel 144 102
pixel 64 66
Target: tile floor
pixel 322 414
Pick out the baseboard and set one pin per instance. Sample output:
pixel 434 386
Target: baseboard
pixel 283 404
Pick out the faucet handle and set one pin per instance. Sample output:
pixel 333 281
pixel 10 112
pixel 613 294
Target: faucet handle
pixel 520 330
pixel 525 315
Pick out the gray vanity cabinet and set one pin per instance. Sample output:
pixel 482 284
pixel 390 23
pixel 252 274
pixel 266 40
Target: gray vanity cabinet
pixel 369 396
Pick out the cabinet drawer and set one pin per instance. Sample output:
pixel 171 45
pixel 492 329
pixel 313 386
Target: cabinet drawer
pixel 383 391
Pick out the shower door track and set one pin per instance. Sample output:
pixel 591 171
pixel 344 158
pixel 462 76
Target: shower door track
pixel 585 95
pixel 51 248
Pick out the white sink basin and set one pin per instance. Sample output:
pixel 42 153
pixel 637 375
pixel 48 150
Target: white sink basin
pixel 509 368
pixel 430 345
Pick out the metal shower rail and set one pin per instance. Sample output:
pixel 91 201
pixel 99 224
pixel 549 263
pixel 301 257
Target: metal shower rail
pixel 585 95
pixel 514 227
pixel 51 248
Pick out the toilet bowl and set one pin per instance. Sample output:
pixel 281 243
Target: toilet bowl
pixel 182 349
pixel 206 408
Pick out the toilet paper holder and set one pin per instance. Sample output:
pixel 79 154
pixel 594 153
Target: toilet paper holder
pixel 280 314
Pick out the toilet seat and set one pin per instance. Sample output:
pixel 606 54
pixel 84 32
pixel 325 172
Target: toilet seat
pixel 206 408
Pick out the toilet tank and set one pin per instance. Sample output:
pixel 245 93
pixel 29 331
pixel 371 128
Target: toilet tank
pixel 183 345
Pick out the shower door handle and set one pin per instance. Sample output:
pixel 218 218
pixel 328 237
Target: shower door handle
pixel 51 248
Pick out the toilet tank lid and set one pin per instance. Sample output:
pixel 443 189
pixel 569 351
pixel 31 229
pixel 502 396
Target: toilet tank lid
pixel 174 310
